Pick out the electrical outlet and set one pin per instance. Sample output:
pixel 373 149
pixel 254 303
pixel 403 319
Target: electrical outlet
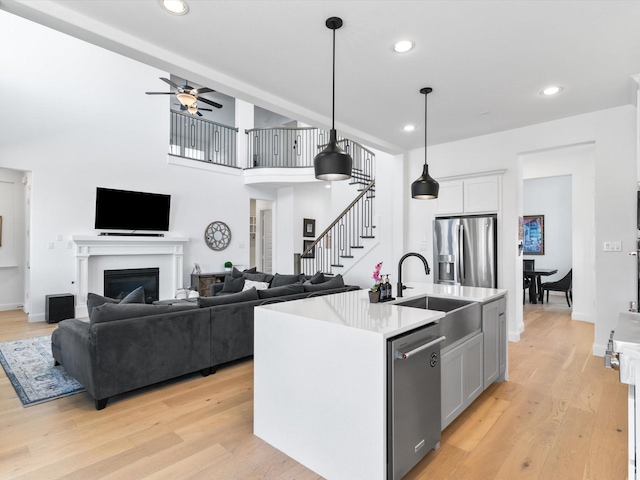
pixel 51 245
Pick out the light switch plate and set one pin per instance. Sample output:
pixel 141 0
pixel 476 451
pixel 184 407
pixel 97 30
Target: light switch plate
pixel 612 246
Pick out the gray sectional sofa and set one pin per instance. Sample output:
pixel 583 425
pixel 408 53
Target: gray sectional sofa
pixel 125 346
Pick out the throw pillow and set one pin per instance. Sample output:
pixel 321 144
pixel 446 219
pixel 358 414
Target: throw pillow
pixel 235 273
pixel 95 300
pixel 280 280
pixel 282 290
pixel 249 284
pixel 318 277
pixel 110 312
pixel 245 296
pixel 232 285
pixel 137 296
pixel 335 282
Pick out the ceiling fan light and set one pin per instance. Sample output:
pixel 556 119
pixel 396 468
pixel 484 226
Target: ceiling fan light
pixel 186 99
pixel 192 109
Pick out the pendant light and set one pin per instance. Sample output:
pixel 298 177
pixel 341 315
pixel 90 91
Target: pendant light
pixel 425 187
pixel 333 163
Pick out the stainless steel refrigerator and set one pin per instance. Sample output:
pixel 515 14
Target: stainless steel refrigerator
pixel 465 251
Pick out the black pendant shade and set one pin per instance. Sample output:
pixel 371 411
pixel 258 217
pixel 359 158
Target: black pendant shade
pixel 425 187
pixel 333 163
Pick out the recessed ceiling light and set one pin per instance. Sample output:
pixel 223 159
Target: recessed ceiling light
pixel 409 128
pixel 403 46
pixel 177 7
pixel 551 91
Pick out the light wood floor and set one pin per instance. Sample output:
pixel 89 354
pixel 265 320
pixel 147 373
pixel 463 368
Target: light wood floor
pixel 561 415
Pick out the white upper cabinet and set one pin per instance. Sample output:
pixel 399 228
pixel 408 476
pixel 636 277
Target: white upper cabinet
pixel 478 194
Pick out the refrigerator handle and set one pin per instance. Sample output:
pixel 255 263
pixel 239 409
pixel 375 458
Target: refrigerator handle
pixel 460 254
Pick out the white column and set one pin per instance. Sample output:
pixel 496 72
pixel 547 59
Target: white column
pixel 244 121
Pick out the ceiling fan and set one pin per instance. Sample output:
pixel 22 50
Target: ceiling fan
pixel 193 109
pixel 187 95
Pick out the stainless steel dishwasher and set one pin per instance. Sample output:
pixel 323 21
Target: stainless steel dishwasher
pixel 413 398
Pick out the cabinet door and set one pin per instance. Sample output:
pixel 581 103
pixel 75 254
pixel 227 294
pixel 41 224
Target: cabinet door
pixel 490 314
pixel 452 384
pixel 502 343
pixel 473 371
pixel 450 198
pixel 481 195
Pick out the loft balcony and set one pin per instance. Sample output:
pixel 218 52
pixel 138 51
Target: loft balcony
pixel 277 155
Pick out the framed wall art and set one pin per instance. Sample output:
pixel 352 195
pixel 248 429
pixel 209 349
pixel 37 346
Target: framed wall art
pixel 312 253
pixel 309 227
pixel 533 233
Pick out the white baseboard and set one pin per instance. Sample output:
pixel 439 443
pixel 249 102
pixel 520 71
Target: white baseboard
pixel 514 337
pixel 583 317
pixel 599 350
pixel 10 306
pixel 40 317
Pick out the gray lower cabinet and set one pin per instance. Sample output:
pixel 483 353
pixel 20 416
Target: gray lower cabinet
pixel 471 366
pixel 494 327
pixel 462 377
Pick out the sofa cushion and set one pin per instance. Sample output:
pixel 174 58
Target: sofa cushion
pixel 245 296
pixel 335 282
pixel 95 300
pixel 232 285
pixel 280 280
pixel 110 311
pixel 281 290
pixel 258 277
pixel 249 284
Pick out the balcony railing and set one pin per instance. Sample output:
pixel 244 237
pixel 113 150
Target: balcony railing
pixel 297 147
pixel 204 140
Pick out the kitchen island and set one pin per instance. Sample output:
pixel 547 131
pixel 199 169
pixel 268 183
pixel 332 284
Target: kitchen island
pixel 320 375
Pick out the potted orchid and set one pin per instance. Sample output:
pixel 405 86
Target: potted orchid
pixel 374 291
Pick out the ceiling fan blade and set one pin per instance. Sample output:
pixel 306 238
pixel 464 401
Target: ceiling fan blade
pixel 198 113
pixel 210 102
pixel 198 91
pixel 169 82
pixel 159 93
pixel 205 109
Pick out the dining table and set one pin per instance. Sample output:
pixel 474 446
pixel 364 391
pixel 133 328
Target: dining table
pixel 535 286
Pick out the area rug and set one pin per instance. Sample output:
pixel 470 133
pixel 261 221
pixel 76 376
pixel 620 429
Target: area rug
pixel 29 366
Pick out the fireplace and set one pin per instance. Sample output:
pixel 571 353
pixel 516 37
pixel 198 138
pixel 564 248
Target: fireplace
pixel 119 283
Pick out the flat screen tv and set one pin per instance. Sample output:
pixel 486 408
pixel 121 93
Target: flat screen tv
pixel 125 210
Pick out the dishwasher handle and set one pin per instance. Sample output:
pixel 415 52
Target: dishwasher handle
pixel 405 355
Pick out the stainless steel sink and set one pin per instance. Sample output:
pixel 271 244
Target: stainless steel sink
pixel 462 317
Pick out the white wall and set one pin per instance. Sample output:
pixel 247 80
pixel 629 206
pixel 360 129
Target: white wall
pixel 12 249
pixel 613 132
pixel 578 163
pixel 72 130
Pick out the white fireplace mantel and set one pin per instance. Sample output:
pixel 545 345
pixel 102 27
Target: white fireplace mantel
pixel 104 245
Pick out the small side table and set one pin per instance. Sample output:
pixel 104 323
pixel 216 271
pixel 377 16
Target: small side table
pixel 202 281
pixel 59 307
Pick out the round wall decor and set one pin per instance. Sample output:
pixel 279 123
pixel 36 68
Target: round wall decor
pixel 217 235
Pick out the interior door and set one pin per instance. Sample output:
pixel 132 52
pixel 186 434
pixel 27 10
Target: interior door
pixel 267 240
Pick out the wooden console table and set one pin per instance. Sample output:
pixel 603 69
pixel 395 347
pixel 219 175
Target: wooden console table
pixel 202 281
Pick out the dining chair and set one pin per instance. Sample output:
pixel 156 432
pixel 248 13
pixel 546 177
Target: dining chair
pixel 526 284
pixel 528 265
pixel 562 285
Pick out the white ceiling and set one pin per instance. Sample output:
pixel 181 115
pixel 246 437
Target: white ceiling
pixel 487 61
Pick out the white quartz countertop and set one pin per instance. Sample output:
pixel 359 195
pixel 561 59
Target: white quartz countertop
pixel 353 309
pixel 474 294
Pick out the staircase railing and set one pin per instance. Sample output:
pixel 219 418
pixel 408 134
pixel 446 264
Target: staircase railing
pixel 344 235
pixel 204 140
pixel 297 147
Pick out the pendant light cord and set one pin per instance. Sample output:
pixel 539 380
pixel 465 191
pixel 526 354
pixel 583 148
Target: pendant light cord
pixel 333 85
pixel 425 129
